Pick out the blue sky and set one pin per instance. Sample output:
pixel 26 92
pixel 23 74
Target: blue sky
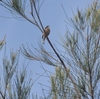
pixel 19 32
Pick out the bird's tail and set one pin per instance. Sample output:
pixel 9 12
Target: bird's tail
pixel 43 41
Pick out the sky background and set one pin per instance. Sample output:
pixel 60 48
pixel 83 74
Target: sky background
pixel 19 32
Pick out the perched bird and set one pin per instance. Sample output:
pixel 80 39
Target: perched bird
pixel 46 33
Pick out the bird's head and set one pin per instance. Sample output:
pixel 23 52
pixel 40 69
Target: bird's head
pixel 47 27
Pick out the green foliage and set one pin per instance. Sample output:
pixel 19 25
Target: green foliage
pixel 14 83
pixel 61 88
pixel 14 6
pixel 83 51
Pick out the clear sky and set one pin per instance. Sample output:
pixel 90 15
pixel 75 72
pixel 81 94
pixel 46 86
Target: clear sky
pixel 19 32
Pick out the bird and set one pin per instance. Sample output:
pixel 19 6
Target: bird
pixel 46 33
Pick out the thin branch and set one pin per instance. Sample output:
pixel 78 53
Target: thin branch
pixel 2 95
pixel 38 15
